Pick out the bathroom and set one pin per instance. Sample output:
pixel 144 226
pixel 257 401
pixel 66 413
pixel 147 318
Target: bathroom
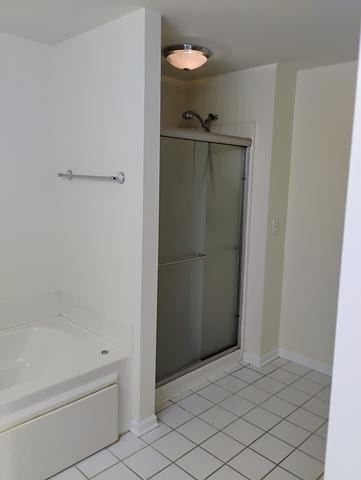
pixel 128 230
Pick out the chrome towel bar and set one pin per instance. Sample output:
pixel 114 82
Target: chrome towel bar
pixel 119 178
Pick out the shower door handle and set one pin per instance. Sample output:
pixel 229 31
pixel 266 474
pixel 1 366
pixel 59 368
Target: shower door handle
pixel 201 256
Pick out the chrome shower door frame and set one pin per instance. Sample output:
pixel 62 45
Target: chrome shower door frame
pixel 246 143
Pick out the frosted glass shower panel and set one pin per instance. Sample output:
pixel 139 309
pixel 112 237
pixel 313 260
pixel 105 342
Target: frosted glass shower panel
pixel 179 316
pixel 201 194
pixel 176 212
pixel 220 316
pixel 181 258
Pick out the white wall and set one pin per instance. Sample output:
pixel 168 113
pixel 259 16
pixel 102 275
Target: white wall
pixel 99 101
pixel 107 120
pixel 145 347
pixel 93 106
pixel 319 165
pixel 27 180
pixel 344 441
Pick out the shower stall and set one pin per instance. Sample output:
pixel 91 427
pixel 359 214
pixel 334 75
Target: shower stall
pixel 201 232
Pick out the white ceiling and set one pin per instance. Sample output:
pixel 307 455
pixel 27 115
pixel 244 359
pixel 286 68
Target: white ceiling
pixel 240 33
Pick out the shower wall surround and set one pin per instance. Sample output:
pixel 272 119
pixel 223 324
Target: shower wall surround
pixel 83 105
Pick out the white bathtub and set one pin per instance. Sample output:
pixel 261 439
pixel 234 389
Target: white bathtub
pixel 55 378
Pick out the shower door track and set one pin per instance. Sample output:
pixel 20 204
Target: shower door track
pixel 232 141
pixel 201 363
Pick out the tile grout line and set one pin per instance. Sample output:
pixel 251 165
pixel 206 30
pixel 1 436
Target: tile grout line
pixel 220 430
pixel 238 417
pixel 285 418
pixel 282 419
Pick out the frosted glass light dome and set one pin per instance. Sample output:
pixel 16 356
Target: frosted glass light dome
pixel 186 56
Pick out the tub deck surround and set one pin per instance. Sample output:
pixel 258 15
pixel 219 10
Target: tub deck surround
pixel 29 310
pixel 46 364
pixel 47 444
pixel 63 385
pixel 32 309
pixel 114 329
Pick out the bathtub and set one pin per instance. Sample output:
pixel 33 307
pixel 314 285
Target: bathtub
pixel 59 397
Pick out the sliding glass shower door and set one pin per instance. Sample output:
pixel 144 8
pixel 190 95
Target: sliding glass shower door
pixel 201 192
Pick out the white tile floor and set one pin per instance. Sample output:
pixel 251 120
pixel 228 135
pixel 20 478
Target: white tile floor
pixel 245 423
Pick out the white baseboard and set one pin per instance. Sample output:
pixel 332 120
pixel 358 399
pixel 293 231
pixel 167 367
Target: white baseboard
pixel 305 361
pixel 251 358
pixel 259 361
pixel 144 426
pixel 268 357
pixel 196 376
pixel 180 384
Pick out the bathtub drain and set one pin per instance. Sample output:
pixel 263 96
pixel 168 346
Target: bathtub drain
pixel 104 352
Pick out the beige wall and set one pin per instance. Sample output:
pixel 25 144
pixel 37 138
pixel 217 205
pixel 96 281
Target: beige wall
pixel 316 202
pixel 281 155
pixel 175 99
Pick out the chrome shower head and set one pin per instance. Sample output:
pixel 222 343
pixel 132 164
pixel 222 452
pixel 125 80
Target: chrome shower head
pixel 189 114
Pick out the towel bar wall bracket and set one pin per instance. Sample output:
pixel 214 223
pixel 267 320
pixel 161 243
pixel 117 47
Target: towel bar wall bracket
pixel 119 178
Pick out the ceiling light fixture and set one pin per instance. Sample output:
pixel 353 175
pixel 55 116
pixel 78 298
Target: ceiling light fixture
pixel 186 56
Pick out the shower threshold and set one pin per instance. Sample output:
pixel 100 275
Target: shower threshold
pixel 194 366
